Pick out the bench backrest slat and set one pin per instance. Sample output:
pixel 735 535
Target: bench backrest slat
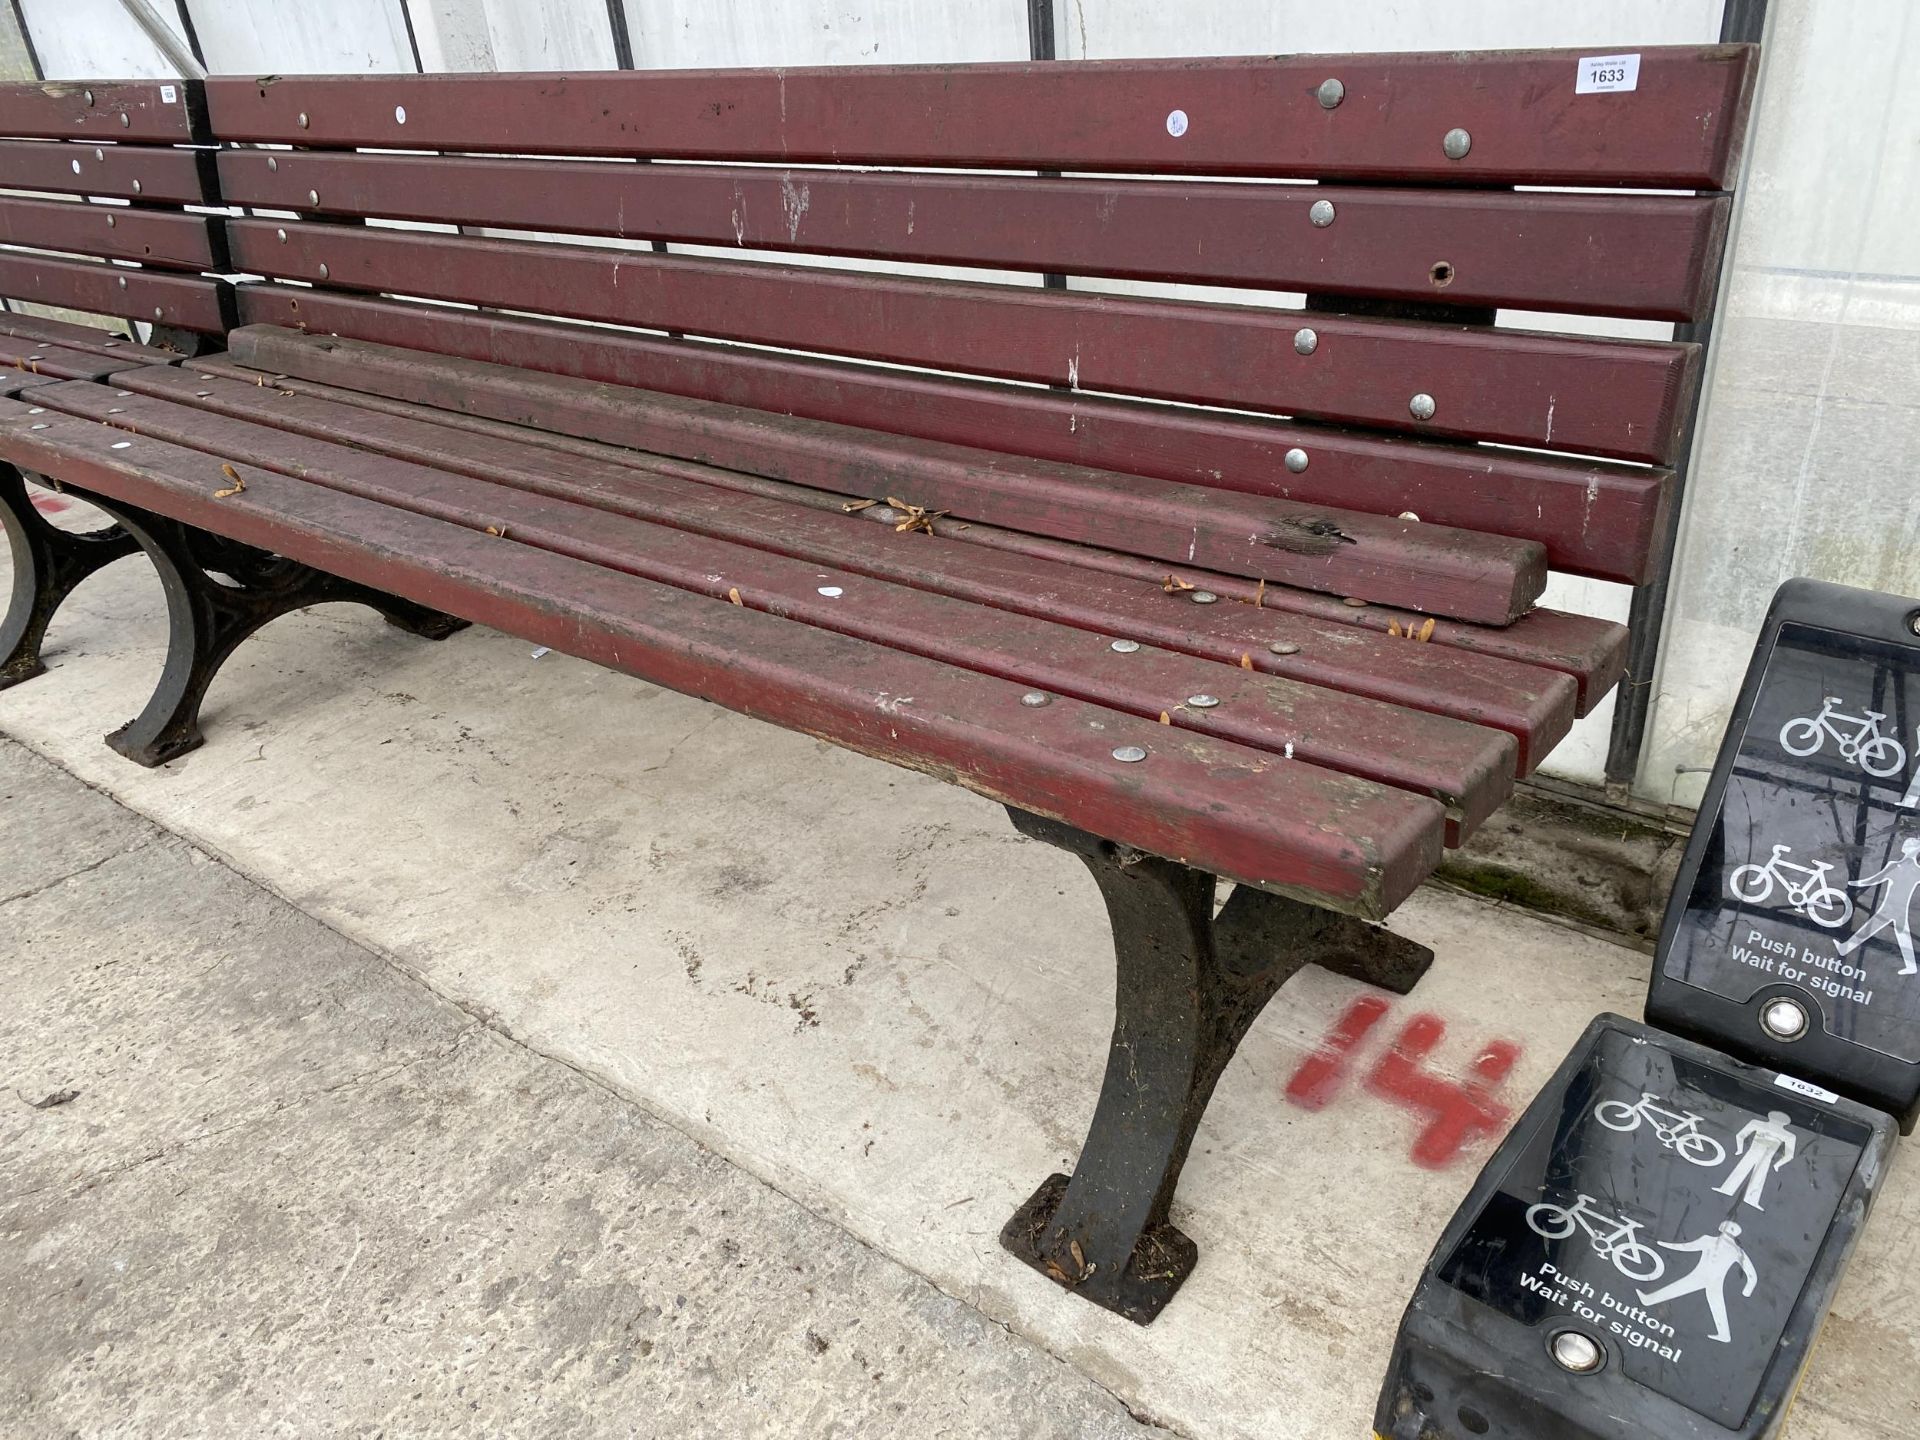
pixel 150 111
pixel 1380 187
pixel 155 237
pixel 1528 124
pixel 187 302
pixel 1595 518
pixel 1640 256
pixel 122 149
pixel 1604 398
pixel 157 175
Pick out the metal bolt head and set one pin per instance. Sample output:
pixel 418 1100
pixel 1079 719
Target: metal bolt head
pixel 123 282
pixel 1203 702
pixel 1456 142
pixel 1306 340
pixel 1034 699
pixel 1784 1019
pixel 313 197
pixel 112 223
pixel 1321 214
pixel 137 187
pixel 1330 93
pixel 1576 1352
pixel 1421 406
pixel 281 236
pixel 89 96
pixel 1913 622
pixel 324 271
pixel 124 122
pixel 303 119
pixel 1296 460
pixel 74 165
pixel 1283 647
pixel 1202 597
pixel 273 163
pixel 1130 754
pixel 399 114
pixel 1125 647
pixel 832 592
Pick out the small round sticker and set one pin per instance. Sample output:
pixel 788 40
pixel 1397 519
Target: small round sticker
pixel 1176 123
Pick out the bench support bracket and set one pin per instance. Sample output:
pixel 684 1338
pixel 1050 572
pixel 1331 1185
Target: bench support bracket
pixel 48 565
pixel 219 592
pixel 1190 985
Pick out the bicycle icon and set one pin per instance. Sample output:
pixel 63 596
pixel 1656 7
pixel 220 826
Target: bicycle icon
pixel 1858 737
pixel 1812 895
pixel 1614 1238
pixel 1679 1131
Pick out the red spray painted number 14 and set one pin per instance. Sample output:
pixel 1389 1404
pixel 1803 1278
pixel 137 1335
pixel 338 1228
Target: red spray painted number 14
pixel 1456 1112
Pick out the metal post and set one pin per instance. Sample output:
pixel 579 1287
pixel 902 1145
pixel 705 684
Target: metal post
pixel 1741 22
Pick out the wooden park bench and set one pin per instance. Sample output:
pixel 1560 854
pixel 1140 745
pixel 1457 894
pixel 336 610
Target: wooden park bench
pixel 1052 544
pixel 98 178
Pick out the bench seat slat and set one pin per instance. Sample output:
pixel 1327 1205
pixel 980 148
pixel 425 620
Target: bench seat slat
pixel 1586 649
pixel 155 174
pixel 1208 802
pixel 1255 115
pixel 82 337
pixel 1615 398
pixel 123 232
pixel 1468 768
pixel 36 357
pixel 1629 255
pixel 190 302
pixel 1434 568
pixel 1594 518
pixel 1533 705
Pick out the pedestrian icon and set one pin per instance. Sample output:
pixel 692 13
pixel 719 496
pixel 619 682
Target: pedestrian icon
pixel 1718 1255
pixel 1764 1146
pixel 1895 910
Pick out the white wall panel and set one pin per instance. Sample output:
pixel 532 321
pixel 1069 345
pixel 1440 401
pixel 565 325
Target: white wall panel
pixel 678 34
pixel 262 37
pixel 88 39
pixel 1104 29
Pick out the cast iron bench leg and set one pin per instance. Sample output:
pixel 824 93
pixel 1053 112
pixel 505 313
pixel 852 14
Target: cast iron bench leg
pixel 218 593
pixel 1189 987
pixel 48 563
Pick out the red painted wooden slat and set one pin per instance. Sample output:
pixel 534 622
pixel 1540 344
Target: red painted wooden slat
pixel 36 357
pixel 1594 518
pixel 1442 570
pixel 1590 652
pixel 105 110
pixel 188 301
pixel 82 337
pixel 1619 398
pixel 156 174
pixel 1468 768
pixel 1633 255
pixel 1256 115
pixel 1210 803
pixel 123 232
pixel 1532 704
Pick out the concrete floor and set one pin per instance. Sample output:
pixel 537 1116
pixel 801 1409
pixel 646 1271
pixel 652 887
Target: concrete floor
pixel 856 985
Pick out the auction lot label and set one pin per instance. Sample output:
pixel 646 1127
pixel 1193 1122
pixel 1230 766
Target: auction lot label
pixel 1669 1207
pixel 1811 876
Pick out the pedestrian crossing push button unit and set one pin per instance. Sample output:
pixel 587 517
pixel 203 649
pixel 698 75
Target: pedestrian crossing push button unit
pixel 1793 936
pixel 1650 1253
